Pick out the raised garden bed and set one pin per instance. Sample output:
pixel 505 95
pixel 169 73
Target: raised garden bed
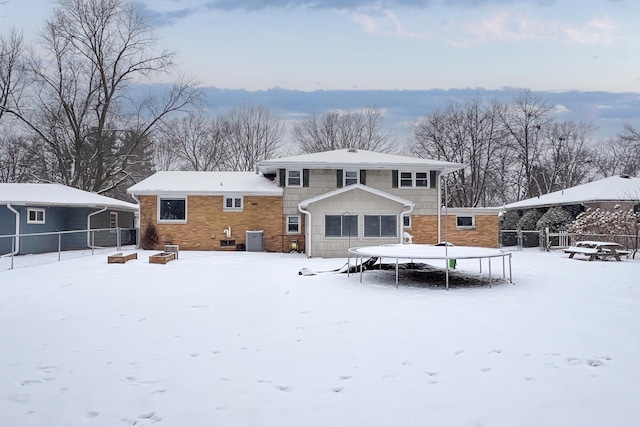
pixel 162 258
pixel 119 258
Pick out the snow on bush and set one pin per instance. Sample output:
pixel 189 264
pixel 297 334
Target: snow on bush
pixel 556 219
pixel 529 220
pixel 611 222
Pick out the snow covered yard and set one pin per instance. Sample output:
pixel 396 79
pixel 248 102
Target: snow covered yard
pixel 240 339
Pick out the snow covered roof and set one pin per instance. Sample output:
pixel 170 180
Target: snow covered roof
pixel 307 202
pixel 206 183
pixel 360 159
pixel 57 195
pixel 612 189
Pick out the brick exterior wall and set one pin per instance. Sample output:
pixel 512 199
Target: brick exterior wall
pixel 206 221
pixel 424 229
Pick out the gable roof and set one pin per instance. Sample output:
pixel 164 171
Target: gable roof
pixel 359 159
pixel 57 195
pixel 303 204
pixel 206 183
pixel 612 189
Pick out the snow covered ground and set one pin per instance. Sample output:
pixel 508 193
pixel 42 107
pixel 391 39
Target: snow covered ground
pixel 240 339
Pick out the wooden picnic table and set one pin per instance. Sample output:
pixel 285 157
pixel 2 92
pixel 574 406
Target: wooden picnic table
pixel 597 250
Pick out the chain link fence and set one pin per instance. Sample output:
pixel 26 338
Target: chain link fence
pixel 24 250
pixel 519 239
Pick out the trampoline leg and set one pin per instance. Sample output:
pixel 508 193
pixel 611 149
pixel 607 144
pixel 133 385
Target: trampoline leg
pixel 447 274
pixel 348 263
pixel 489 259
pixel 480 261
pixel 396 273
pixel 510 278
pixel 503 274
pixel 361 261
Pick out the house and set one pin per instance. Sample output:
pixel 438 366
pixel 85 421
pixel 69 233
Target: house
pixel 320 203
pixel 48 208
pixel 606 193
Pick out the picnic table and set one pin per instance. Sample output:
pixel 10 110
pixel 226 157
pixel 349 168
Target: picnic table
pixel 597 250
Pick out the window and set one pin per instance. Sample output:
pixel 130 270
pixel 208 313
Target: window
pixel 406 221
pixel 406 179
pixel 380 226
pixel 35 216
pixel 414 179
pixel 350 177
pixel 293 224
pixel 113 219
pixel 294 178
pixel 233 204
pixel 465 222
pixel 172 209
pixel 340 225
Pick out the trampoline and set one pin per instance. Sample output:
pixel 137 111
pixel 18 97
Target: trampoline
pixel 430 252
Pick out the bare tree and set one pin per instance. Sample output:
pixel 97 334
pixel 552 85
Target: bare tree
pixel 567 158
pixel 527 121
pixel 469 133
pixel 253 134
pixel 94 124
pixel 363 129
pixel 11 70
pixel 16 160
pixel 620 155
pixel 198 143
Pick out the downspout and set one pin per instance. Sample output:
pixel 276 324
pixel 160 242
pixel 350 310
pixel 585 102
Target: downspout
pixel 16 249
pixel 307 230
pixel 402 215
pixel 89 225
pixel 439 206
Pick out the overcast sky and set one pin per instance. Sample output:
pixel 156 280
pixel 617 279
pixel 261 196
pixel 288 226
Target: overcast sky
pixel 393 44
pixel 381 51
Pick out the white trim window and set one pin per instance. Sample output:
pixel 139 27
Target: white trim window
pixel 293 224
pixel 413 179
pixel 351 177
pixel 35 216
pixel 233 204
pixel 380 226
pixel 294 177
pixel 465 222
pixel 113 219
pixel 172 209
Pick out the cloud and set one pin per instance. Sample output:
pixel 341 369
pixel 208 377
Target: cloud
pixel 596 31
pixel 355 5
pixel 161 19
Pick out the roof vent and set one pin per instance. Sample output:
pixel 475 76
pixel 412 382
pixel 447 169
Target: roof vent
pixel 352 150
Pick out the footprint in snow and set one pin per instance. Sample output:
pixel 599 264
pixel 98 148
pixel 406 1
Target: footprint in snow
pixel 337 389
pixel 431 373
pixel 345 377
pixel 284 388
pixel 92 414
pixel 496 351
pixel 485 369
pixel 459 352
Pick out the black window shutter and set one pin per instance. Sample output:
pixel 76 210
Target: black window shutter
pixel 394 179
pixel 433 179
pixel 363 176
pixel 339 178
pixel 283 177
pixel 305 177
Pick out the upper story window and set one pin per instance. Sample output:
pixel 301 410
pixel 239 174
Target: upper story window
pixel 465 222
pixel 350 177
pixel 414 179
pixel 294 177
pixel 172 209
pixel 35 216
pixel 233 204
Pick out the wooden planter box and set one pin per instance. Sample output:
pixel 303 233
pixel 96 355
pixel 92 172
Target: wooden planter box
pixel 119 258
pixel 162 258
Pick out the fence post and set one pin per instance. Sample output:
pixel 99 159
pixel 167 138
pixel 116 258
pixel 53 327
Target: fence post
pixel 118 238
pixel 93 240
pixel 59 245
pixel 13 250
pixel 519 236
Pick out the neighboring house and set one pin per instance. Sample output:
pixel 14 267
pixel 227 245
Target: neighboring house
pixel 321 203
pixel 43 208
pixel 605 193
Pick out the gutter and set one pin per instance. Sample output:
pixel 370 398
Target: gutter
pixel 307 230
pixel 89 225
pixel 16 249
pixel 401 225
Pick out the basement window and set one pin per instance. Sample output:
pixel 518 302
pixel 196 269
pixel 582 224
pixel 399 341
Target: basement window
pixel 35 216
